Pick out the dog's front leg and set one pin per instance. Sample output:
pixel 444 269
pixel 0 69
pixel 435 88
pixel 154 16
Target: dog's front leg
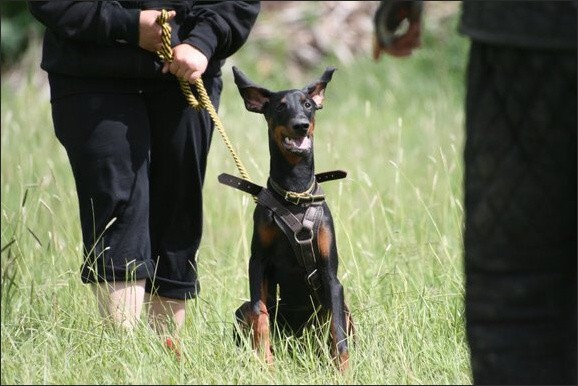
pixel 334 301
pixel 340 320
pixel 258 313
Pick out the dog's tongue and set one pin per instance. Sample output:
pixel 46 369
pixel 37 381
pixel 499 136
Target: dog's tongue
pixel 302 143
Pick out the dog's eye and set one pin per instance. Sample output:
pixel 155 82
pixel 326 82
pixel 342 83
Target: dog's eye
pixel 280 107
pixel 307 105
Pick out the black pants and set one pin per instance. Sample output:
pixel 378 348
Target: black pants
pixel 520 225
pixel 139 161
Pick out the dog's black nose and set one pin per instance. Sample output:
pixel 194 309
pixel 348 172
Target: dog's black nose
pixel 301 126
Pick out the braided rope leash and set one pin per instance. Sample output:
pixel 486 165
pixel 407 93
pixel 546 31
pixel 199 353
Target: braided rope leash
pixel 166 55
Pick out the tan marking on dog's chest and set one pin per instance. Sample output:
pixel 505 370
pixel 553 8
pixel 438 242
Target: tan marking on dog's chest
pixel 324 240
pixel 267 234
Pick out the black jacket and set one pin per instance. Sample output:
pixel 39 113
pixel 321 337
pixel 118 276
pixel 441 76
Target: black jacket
pixel 99 39
pixel 527 24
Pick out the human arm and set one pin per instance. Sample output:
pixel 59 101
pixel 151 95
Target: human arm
pixel 213 30
pixel 100 22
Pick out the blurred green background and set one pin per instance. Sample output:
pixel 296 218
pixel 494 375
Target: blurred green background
pixel 396 127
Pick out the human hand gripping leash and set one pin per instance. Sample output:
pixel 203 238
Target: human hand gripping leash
pixel 166 55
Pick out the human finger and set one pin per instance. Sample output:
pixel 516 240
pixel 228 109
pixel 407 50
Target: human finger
pixel 195 75
pixel 173 68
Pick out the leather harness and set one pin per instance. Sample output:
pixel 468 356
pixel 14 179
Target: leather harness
pixel 298 221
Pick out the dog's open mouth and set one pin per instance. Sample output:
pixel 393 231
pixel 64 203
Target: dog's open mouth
pixel 297 145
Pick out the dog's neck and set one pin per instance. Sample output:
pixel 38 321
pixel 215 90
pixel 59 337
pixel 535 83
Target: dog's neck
pixel 296 177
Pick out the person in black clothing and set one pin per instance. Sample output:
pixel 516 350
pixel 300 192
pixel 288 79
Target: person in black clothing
pixel 520 234
pixel 137 151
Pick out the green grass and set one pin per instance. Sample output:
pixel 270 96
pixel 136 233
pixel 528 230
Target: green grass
pixel 395 126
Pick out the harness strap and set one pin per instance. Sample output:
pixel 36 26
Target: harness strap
pixel 300 198
pixel 331 175
pixel 304 239
pixel 300 233
pixel 254 189
pixel 267 199
pixel 240 183
pixel 314 194
pixel 264 197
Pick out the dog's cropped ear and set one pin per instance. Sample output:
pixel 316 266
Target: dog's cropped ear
pixel 255 97
pixel 316 90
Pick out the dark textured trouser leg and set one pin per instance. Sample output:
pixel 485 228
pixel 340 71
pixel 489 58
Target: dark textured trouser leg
pixel 180 142
pixel 520 226
pixel 106 137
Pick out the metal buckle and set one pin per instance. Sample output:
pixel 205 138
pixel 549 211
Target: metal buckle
pixel 308 233
pixel 309 280
pixel 292 198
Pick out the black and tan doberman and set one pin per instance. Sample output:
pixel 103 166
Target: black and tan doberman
pixel 293 265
